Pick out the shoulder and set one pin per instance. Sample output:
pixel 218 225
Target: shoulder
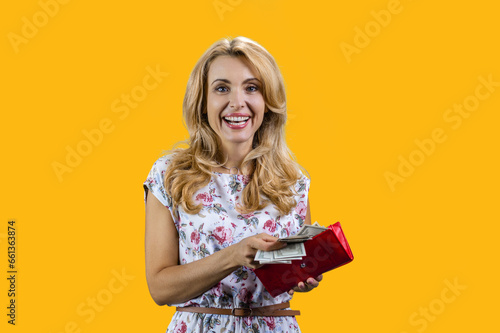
pixel 161 165
pixel 303 182
pixel 304 175
pixel 155 180
pixel 158 170
pixel 163 162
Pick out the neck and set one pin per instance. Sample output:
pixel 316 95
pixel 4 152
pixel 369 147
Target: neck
pixel 235 156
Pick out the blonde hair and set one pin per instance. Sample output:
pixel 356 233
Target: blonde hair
pixel 275 172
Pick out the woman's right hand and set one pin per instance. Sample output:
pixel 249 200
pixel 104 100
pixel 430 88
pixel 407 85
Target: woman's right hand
pixel 167 278
pixel 244 251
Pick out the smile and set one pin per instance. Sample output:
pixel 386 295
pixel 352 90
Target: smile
pixel 236 122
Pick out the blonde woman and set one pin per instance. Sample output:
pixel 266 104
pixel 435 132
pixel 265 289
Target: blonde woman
pixel 233 191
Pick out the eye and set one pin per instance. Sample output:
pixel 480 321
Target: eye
pixel 252 88
pixel 221 89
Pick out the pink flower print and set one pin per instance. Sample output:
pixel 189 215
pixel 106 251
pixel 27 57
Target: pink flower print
pixel 223 235
pixel 244 295
pixel 270 225
pixel 301 210
pixel 270 322
pixel 195 237
pixel 217 290
pixel 245 179
pixel 248 321
pixel 180 327
pixel 205 199
pixel 246 216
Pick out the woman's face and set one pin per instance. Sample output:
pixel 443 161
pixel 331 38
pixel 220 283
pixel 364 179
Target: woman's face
pixel 235 105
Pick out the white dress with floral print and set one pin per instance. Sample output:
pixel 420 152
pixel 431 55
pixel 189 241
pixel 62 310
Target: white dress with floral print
pixel 219 225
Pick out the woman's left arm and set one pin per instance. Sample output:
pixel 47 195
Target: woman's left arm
pixel 310 283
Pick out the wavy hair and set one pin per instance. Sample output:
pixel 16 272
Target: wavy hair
pixel 275 171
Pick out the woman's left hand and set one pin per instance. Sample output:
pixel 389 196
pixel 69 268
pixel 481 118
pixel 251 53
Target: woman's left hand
pixel 307 285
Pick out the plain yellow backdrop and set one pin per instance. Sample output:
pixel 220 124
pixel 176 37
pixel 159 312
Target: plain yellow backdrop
pixel 393 109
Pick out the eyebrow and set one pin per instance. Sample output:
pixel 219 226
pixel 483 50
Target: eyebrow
pixel 227 81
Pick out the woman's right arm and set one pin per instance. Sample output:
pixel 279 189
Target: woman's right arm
pixel 168 281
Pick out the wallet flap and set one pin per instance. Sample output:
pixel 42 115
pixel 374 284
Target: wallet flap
pixel 337 229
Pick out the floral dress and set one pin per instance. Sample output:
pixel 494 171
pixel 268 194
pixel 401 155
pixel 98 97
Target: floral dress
pixel 219 225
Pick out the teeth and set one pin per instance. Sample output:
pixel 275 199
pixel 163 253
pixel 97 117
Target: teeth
pixel 236 123
pixel 236 118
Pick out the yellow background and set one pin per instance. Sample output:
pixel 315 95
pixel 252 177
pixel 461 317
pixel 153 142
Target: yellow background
pixel 350 120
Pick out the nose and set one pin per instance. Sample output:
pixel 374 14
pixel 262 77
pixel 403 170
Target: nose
pixel 237 99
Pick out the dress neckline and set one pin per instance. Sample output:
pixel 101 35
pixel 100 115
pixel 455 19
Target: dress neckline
pixel 229 174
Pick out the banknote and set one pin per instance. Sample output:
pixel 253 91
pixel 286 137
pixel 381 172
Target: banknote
pixel 276 262
pixel 285 255
pixel 267 257
pixel 305 233
pixel 264 256
pixel 310 230
pixel 294 250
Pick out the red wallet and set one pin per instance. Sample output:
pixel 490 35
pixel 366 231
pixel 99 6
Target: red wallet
pixel 324 252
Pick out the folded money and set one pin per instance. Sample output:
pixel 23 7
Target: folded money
pixel 295 249
pixel 305 233
pixel 285 255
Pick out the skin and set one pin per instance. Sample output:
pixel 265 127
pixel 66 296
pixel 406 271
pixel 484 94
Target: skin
pixel 233 86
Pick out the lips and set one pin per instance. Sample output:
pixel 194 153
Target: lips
pixel 236 121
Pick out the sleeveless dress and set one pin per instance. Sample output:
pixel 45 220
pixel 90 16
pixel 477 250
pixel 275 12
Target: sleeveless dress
pixel 219 225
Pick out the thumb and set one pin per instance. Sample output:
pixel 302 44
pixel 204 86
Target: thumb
pixel 267 238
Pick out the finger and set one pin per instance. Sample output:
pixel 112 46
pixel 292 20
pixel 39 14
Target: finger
pixel 307 288
pixel 267 245
pixel 312 282
pixel 267 237
pixel 254 265
pixel 319 277
pixel 301 288
pixel 275 246
pixel 290 292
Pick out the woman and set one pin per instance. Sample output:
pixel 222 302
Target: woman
pixel 232 192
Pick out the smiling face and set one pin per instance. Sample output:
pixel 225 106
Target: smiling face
pixel 235 104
